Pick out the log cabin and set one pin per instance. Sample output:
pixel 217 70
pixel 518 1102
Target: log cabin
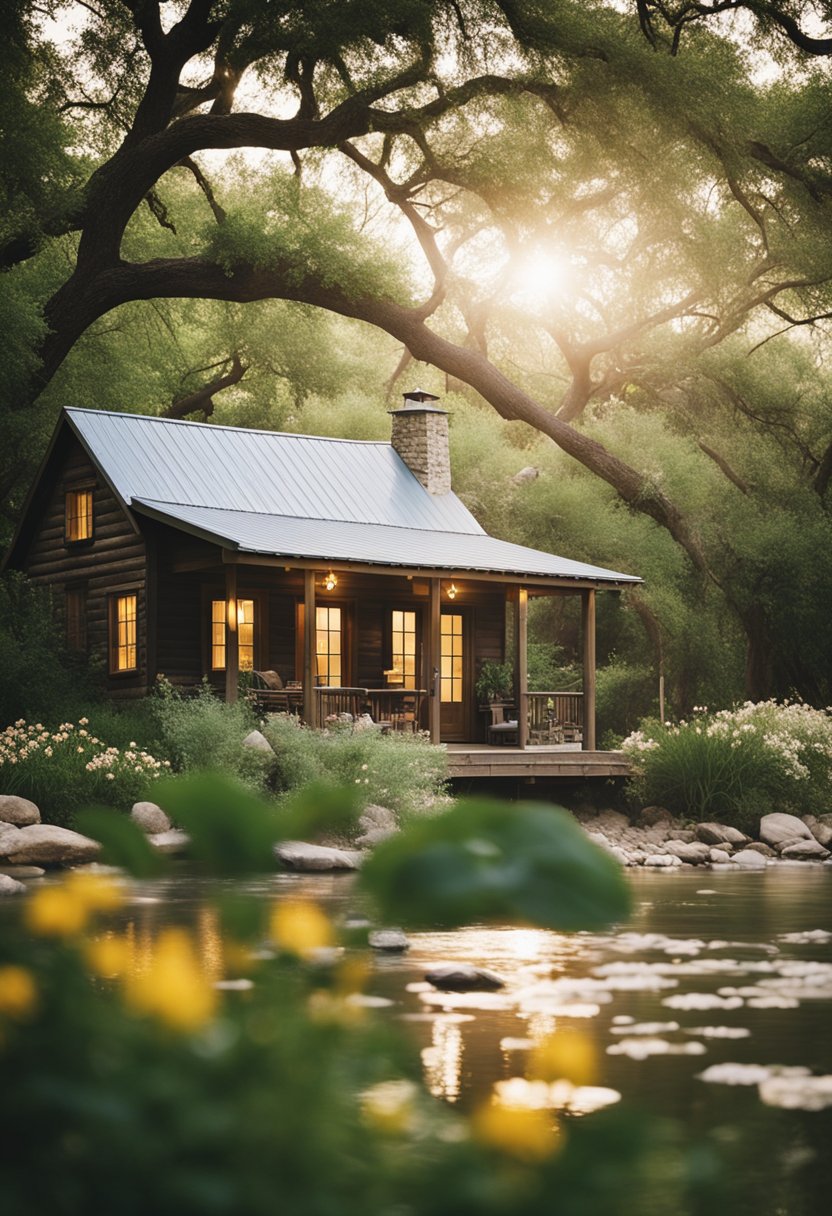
pixel 347 571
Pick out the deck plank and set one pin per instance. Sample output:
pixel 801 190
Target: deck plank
pixel 479 760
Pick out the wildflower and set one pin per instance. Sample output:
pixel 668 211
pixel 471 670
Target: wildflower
pixel 83 721
pixel 18 991
pixel 528 1134
pixel 109 956
pixel 55 912
pixel 173 988
pixel 95 891
pixel 566 1055
pixel 300 927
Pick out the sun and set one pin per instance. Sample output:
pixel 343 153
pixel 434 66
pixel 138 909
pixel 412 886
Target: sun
pixel 540 276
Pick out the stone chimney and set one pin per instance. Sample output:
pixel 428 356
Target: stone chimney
pixel 420 436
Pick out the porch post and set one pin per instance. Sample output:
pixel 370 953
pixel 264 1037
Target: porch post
pixel 310 701
pixel 588 632
pixel 434 651
pixel 522 667
pixel 232 637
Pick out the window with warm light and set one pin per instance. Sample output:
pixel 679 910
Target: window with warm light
pixel 124 632
pixel 78 515
pixel 403 637
pixel 451 657
pixel 328 645
pixel 245 634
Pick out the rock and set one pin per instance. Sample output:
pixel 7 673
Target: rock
pixel 612 823
pixel 48 845
pixel 686 835
pixel 8 833
pixel 620 855
pixel 524 476
pixel 651 815
pixel 821 833
pixel 10 886
pixel 150 818
pixel 805 850
pixel 692 853
pixel 662 860
pixel 460 977
pixel 749 859
pixel 256 740
pixel 757 846
pixel 298 855
pixel 637 857
pixel 779 828
pixel 18 811
pixel 391 940
pixel 23 871
pixel 375 836
pixel 719 857
pixel 720 834
pixel 173 841
pixel 377 817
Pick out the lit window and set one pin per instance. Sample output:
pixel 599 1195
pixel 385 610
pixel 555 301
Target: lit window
pixel 123 634
pixel 78 515
pixel 245 634
pixel 75 615
pixel 403 633
pixel 450 682
pixel 328 643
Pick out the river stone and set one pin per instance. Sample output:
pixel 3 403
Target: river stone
pixel 652 815
pixel 48 845
pixel 256 740
pixel 19 811
pixel 391 940
pixel 150 818
pixel 173 841
pixel 374 836
pixel 719 857
pixel 662 861
pixel 460 977
pixel 8 833
pixel 693 853
pixel 374 816
pixel 750 859
pixel 20 872
pixel 720 834
pixel 805 850
pixel 757 846
pixel 781 829
pixel 298 855
pixel 10 886
pixel 821 831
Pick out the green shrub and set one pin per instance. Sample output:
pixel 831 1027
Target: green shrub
pixel 399 771
pixel 736 765
pixel 625 693
pixel 68 768
pixel 198 731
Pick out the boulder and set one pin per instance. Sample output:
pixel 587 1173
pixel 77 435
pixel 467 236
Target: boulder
pixel 749 859
pixel 19 811
pixel 461 977
pixel 258 742
pixel 805 850
pixel 20 872
pixel 173 841
pixel 391 940
pixel 8 833
pixel 780 829
pixel 719 857
pixel 822 832
pixel 373 817
pixel 652 815
pixel 374 836
pixel 720 834
pixel 10 886
pixel 150 818
pixel 44 844
pixel 298 855
pixel 663 861
pixel 692 853
pixel 757 846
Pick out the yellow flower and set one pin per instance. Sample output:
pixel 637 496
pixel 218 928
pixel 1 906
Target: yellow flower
pixel 97 892
pixel 299 926
pixel 352 974
pixel 55 912
pixel 110 956
pixel 528 1134
pixel 18 991
pixel 568 1055
pixel 173 988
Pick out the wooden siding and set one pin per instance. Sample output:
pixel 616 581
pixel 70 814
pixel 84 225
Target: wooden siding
pixel 114 561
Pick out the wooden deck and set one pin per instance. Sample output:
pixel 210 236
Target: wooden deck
pixel 554 760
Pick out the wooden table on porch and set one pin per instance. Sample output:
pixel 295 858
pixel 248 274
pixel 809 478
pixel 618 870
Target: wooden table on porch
pixel 396 708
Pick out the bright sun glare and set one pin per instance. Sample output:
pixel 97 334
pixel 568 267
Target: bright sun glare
pixel 541 276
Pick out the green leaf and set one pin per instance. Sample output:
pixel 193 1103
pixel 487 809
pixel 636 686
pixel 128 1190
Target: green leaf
pixel 232 831
pixel 318 807
pixel 123 842
pixel 491 861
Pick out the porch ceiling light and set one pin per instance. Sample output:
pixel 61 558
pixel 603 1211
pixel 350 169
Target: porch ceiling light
pixel 330 581
pixel 452 592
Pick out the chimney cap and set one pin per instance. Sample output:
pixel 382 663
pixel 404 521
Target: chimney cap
pixel 417 401
pixel 420 395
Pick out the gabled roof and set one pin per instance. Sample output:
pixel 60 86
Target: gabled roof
pixel 299 496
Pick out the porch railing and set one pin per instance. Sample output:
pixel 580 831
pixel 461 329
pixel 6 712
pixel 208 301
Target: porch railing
pixel 555 717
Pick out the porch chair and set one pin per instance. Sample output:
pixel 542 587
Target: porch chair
pixel 502 730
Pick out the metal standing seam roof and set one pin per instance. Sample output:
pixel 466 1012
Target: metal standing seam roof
pixel 301 496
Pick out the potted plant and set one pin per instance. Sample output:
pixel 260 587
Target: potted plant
pixel 494 682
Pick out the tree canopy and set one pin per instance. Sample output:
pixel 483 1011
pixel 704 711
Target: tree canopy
pixel 606 222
